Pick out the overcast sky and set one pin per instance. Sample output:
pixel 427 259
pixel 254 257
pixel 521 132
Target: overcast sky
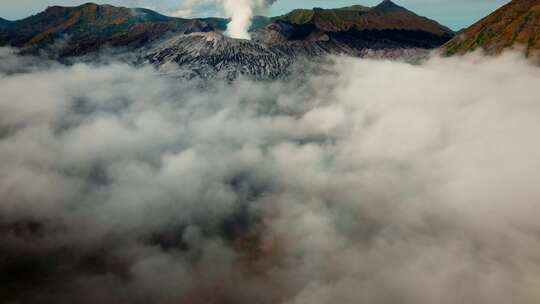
pixel 455 14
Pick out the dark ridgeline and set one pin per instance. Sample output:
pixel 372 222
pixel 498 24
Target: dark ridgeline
pixel 197 45
pixel 4 23
pixel 86 28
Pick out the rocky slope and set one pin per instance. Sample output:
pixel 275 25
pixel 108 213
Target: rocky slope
pixel 197 47
pixel 385 16
pixel 211 54
pixel 515 25
pixel 84 29
pixel 386 25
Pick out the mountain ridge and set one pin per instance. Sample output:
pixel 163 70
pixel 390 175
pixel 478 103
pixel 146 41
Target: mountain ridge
pixel 387 15
pixel 92 25
pixel 57 20
pixel 4 23
pixel 386 30
pixel 514 25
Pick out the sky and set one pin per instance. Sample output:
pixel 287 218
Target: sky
pixel 455 14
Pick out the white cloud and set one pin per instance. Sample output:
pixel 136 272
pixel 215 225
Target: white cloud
pixel 377 182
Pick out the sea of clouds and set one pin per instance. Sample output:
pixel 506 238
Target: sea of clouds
pixel 374 182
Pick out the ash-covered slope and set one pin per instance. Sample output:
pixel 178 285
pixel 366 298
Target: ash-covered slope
pixel 212 54
pixel 207 55
pixel 197 47
pixel 386 30
pixel 517 24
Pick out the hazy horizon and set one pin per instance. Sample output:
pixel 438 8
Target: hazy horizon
pixel 456 14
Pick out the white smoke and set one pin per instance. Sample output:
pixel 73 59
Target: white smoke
pixel 241 13
pixel 377 182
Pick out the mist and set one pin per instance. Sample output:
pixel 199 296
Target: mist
pixel 373 182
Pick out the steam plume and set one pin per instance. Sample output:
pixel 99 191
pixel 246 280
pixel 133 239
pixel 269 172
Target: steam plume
pixel 241 12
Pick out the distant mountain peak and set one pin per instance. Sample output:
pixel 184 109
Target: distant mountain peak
pixel 356 7
pixel 56 8
pixel 81 6
pixel 198 46
pixel 514 25
pixel 88 27
pixel 388 5
pixel 385 16
pixel 87 10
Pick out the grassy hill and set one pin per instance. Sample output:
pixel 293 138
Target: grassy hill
pixel 385 16
pixel 516 24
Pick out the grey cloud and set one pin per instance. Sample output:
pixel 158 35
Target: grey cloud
pixel 376 182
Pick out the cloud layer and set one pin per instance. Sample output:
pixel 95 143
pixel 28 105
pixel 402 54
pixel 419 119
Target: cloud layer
pixel 374 182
